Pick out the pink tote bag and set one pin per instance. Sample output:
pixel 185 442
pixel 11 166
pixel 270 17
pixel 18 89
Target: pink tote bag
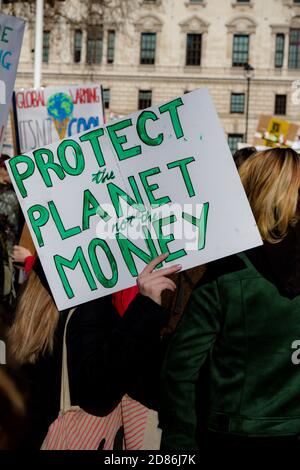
pixel 130 426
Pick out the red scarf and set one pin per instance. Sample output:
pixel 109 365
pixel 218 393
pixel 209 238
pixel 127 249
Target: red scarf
pixel 122 299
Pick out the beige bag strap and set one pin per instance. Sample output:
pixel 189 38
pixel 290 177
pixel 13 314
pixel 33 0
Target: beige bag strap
pixel 65 399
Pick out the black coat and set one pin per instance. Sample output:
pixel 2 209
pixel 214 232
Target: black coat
pixel 108 356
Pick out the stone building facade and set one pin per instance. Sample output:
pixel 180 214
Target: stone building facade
pixel 165 48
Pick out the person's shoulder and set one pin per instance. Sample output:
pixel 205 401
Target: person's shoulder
pixel 227 269
pixel 96 311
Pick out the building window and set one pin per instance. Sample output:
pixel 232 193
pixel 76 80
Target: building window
pixel 148 47
pixel 297 1
pixel 145 99
pixel 240 53
pixel 46 46
pixel 94 45
pixel 193 49
pixel 279 51
pixel 280 104
pixel 149 1
pixel 242 1
pixel 294 50
pixel 111 39
pixel 196 1
pixel 233 140
pixel 77 45
pixel 106 97
pixel 237 104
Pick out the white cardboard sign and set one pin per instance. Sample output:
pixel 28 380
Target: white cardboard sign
pixel 11 37
pixel 53 113
pixel 169 165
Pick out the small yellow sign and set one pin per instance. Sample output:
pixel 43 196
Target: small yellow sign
pixel 275 132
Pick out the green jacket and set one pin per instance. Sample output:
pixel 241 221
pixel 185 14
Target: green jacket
pixel 239 324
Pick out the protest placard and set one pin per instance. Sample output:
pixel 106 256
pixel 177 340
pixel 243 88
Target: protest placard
pixel 11 37
pixel 44 115
pixel 275 132
pixel 103 203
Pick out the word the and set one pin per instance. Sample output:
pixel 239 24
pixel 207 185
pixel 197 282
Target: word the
pixel 102 176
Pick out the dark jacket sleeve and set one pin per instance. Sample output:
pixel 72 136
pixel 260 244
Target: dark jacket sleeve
pixel 106 353
pixel 187 352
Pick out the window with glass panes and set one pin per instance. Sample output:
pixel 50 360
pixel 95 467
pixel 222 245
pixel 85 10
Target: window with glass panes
pixel 111 39
pixel 240 52
pixel 242 1
pixel 196 1
pixel 145 99
pixel 279 51
pixel 94 45
pixel 77 45
pixel 280 104
pixel 294 49
pixel 148 47
pixel 237 104
pixel 193 49
pixel 233 140
pixel 46 46
pixel 106 97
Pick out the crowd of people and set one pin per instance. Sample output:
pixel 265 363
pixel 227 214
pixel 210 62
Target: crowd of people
pixel 207 350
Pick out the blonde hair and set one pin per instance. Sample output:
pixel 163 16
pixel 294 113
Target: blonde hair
pixel 271 180
pixel 32 332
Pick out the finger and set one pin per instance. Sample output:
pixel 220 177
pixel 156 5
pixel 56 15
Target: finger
pixel 167 271
pixel 150 266
pixel 155 284
pixel 163 282
pixel 166 286
pixel 170 283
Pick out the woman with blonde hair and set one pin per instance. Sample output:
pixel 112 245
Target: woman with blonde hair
pixel 237 336
pixel 108 355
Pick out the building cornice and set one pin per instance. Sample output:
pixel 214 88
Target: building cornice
pixel 241 6
pixel 242 24
pixel 151 23
pixel 279 28
pixel 194 24
pixel 195 5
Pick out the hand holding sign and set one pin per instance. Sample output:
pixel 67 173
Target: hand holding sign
pixel 20 253
pixel 152 283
